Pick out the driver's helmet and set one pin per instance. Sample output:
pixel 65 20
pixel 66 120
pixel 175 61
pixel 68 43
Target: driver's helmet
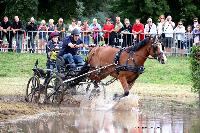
pixel 75 32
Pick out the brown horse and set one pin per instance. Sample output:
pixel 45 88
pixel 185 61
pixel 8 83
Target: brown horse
pixel 124 64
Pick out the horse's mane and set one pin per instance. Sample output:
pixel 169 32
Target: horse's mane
pixel 139 45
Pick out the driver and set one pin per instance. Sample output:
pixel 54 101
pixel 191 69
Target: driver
pixel 71 44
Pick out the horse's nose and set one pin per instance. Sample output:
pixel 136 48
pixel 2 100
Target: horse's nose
pixel 162 61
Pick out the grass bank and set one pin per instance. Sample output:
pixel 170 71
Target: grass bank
pixel 175 71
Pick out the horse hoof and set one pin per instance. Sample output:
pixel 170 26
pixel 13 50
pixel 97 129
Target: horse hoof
pixel 126 93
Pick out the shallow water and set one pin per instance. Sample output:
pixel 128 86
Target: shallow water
pixel 151 116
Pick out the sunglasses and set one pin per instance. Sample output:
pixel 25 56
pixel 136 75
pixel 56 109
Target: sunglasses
pixel 162 18
pixel 195 20
pixel 76 35
pixel 180 24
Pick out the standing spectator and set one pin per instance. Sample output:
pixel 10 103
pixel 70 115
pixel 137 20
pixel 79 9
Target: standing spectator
pixel 126 30
pixel 51 28
pixel 168 30
pixel 79 25
pixel 196 33
pixel 1 39
pixel 85 35
pixel 150 28
pixel 95 28
pixel 160 26
pixel 42 36
pixel 138 30
pixel 60 27
pixel 85 32
pixel 195 23
pixel 189 37
pixel 180 36
pixel 72 26
pixel 31 29
pixel 107 29
pixel 118 24
pixel 160 29
pixel 18 33
pixel 116 35
pixel 6 28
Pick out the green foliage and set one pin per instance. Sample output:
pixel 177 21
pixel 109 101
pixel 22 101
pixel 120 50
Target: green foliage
pixel 22 8
pixel 195 68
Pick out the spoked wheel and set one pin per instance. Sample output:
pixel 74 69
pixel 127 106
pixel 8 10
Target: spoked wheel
pixel 54 90
pixel 32 89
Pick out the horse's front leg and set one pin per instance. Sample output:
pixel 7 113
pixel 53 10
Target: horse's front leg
pixel 125 85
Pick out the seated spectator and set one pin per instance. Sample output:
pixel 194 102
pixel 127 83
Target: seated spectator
pixel 18 33
pixel 95 27
pixel 42 36
pixel 196 33
pixel 107 29
pixel 180 36
pixel 168 30
pixel 189 37
pixel 126 30
pixel 31 29
pixel 138 30
pixel 60 27
pixel 150 28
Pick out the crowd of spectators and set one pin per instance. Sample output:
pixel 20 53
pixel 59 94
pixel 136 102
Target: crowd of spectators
pixel 111 33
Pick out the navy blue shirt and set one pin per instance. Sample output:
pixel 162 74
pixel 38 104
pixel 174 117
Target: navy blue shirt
pixel 52 46
pixel 67 49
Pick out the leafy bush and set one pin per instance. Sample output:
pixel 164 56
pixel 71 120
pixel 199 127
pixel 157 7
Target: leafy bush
pixel 195 68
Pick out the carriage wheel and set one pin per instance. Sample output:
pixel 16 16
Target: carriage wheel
pixel 54 90
pixel 32 89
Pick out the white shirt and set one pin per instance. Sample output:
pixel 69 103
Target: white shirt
pixel 169 29
pixel 180 32
pixel 160 28
pixel 150 29
pixel 71 28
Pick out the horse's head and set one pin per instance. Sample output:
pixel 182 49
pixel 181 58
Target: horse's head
pixel 155 50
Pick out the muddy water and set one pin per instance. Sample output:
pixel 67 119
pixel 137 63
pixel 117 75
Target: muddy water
pixel 152 115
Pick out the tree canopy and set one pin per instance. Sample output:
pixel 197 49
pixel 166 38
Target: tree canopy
pixel 184 10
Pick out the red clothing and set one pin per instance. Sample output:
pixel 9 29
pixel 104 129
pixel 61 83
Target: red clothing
pixel 107 28
pixel 137 28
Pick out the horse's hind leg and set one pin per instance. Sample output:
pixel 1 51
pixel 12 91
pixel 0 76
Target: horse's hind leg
pixel 125 85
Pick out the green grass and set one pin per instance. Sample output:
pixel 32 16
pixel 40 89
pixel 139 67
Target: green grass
pixel 19 65
pixel 175 71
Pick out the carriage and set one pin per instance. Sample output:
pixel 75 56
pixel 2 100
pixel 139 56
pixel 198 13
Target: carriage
pixel 125 65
